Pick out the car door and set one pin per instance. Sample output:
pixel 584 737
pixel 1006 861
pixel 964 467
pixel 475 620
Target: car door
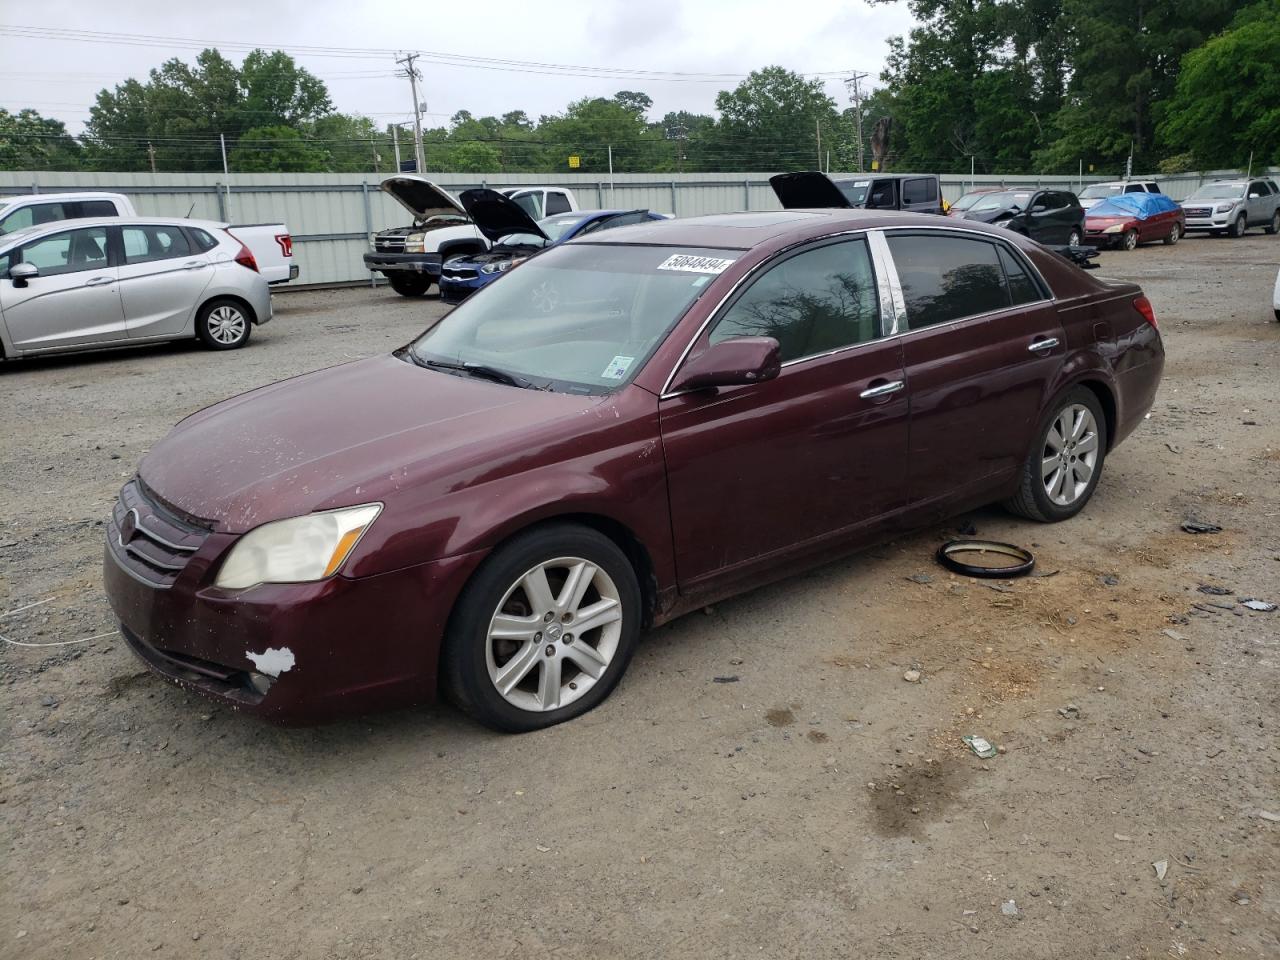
pixel 920 194
pixel 161 278
pixel 1041 219
pixel 1258 203
pixel 817 454
pixel 982 340
pixel 74 300
pixel 1070 215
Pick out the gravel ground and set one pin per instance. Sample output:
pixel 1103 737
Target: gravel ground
pixel 817 805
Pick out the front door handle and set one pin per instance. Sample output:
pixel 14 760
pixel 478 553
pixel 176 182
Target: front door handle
pixel 1047 343
pixel 882 389
pixel 97 281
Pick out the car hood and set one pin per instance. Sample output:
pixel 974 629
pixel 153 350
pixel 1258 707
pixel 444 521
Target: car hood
pixel 355 433
pixel 987 216
pixel 420 196
pixel 498 216
pixel 809 190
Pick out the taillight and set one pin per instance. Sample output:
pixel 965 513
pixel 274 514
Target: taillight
pixel 1143 306
pixel 245 258
pixel 286 244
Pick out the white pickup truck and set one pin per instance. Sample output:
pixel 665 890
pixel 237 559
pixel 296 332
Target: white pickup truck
pixel 411 257
pixel 271 244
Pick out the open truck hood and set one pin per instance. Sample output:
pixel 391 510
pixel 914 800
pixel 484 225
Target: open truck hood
pixel 420 196
pixel 807 191
pixel 497 216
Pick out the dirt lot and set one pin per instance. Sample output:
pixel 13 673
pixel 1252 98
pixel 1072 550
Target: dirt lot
pixel 818 805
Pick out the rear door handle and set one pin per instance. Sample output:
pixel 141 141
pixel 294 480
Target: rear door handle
pixel 882 389
pixel 193 264
pixel 1046 344
pixel 97 281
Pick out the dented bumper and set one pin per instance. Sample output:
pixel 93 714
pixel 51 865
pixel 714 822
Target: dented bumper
pixel 293 653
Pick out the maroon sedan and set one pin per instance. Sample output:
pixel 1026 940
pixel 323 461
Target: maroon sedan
pixel 621 430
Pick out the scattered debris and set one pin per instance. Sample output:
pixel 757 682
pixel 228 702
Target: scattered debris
pixel 1241 897
pixel 980 746
pixel 1268 816
pixel 920 578
pixel 542 849
pixel 730 679
pixel 1213 591
pixel 1161 868
pixel 1263 606
pixel 1198 526
pixel 1173 447
pixel 1110 580
pixel 1009 908
pixel 955 555
pixel 1069 712
pixel 1175 635
pixel 1122 837
pixel 912 676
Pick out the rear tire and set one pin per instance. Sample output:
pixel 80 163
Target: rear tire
pixel 550 675
pixel 1239 227
pixel 1274 225
pixel 409 286
pixel 1174 236
pixel 224 324
pixel 1053 455
pixel 1073 238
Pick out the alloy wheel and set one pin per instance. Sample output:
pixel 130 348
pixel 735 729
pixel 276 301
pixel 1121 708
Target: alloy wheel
pixel 1175 234
pixel 227 325
pixel 1070 454
pixel 1074 239
pixel 1240 227
pixel 1131 240
pixel 554 634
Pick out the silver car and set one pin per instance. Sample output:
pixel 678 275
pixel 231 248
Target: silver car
pixel 1233 206
pixel 119 281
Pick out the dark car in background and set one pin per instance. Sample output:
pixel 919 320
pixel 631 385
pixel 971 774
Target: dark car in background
pixel 967 200
pixel 810 190
pixel 1051 217
pixel 516 236
pixel 498 509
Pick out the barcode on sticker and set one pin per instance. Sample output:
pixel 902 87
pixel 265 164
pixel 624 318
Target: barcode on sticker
pixel 688 263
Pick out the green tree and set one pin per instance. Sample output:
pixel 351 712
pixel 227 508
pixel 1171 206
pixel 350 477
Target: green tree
pixel 276 150
pixel 770 121
pixel 29 141
pixel 589 127
pixel 1227 100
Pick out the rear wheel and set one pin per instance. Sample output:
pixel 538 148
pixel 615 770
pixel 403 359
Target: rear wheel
pixel 410 285
pixel 1065 464
pixel 1274 225
pixel 1240 226
pixel 224 324
pixel 1130 240
pixel 544 630
pixel 1175 234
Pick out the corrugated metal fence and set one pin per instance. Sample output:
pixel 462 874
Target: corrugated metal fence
pixel 332 215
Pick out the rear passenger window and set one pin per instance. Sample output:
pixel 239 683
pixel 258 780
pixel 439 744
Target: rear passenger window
pixel 557 203
pixel 1022 289
pixel 811 303
pixel 1153 188
pixel 144 244
pixel 1134 188
pixel 920 190
pixel 97 208
pixel 946 278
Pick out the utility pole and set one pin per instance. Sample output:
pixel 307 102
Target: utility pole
pixel 414 76
pixel 817 126
pixel 395 143
pixel 151 153
pixel 853 84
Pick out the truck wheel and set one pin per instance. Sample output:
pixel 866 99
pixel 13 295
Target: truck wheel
pixel 224 324
pixel 410 286
pixel 1274 225
pixel 1240 226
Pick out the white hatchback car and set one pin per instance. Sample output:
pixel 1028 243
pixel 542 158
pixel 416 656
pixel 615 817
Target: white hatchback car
pixel 120 281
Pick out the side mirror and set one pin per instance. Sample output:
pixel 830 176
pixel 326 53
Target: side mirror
pixel 730 363
pixel 1255 196
pixel 20 273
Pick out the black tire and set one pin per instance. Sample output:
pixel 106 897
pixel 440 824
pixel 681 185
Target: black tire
pixel 409 285
pixel 1274 226
pixel 1031 499
pixel 1240 227
pixel 224 324
pixel 1073 238
pixel 1129 241
pixel 464 673
pixel 1174 236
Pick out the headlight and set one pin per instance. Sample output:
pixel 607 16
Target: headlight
pixel 298 550
pixel 413 243
pixel 1114 228
pixel 1224 207
pixel 496 266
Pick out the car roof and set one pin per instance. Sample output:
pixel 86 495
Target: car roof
pixel 845 178
pixel 56 226
pixel 743 231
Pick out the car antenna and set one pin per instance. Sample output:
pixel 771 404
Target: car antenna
pixel 190 210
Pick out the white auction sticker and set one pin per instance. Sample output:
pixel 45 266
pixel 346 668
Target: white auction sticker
pixel 862 183
pixel 688 263
pixel 617 368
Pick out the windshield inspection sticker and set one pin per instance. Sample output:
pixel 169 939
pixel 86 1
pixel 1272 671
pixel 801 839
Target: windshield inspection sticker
pixel 862 183
pixel 617 368
pixel 687 263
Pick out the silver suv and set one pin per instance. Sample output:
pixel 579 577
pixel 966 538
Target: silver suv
pixel 1233 206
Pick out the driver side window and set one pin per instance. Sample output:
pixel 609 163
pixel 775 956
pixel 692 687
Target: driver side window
pixel 69 252
pixel 811 303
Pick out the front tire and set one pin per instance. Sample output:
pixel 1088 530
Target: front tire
pixel 1073 238
pixel 1239 227
pixel 1274 225
pixel 1174 236
pixel 1063 468
pixel 224 324
pixel 1129 241
pixel 409 286
pixel 544 630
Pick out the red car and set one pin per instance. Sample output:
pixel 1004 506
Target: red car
pixel 1127 220
pixel 498 509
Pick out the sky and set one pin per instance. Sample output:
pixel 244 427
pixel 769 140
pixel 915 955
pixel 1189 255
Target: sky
pixel 59 77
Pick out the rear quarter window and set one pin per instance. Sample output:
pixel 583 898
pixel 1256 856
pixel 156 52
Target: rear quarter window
pixel 201 239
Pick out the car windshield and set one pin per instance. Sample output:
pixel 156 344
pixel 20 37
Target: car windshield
pixel 580 318
pixel 998 201
pixel 855 191
pixel 557 227
pixel 1218 191
pixel 521 240
pixel 968 200
pixel 1099 191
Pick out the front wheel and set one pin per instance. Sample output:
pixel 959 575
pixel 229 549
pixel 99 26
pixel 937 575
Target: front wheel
pixel 1274 225
pixel 223 324
pixel 544 630
pixel 1174 236
pixel 409 286
pixel 1130 240
pixel 1240 226
pixel 1064 466
pixel 1073 238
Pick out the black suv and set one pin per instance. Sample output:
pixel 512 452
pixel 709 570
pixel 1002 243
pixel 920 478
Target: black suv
pixel 917 192
pixel 1052 217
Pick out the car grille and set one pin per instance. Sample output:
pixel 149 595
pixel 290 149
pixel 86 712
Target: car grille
pixel 388 244
pixel 1197 211
pixel 458 273
pixel 148 540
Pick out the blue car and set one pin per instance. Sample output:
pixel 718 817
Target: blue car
pixel 516 237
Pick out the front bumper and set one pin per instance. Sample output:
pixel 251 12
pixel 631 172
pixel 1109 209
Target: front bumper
pixel 1219 221
pixel 426 264
pixel 1102 241
pixel 356 645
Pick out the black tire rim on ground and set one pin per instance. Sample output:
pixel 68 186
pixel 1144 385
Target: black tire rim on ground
pixel 951 554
